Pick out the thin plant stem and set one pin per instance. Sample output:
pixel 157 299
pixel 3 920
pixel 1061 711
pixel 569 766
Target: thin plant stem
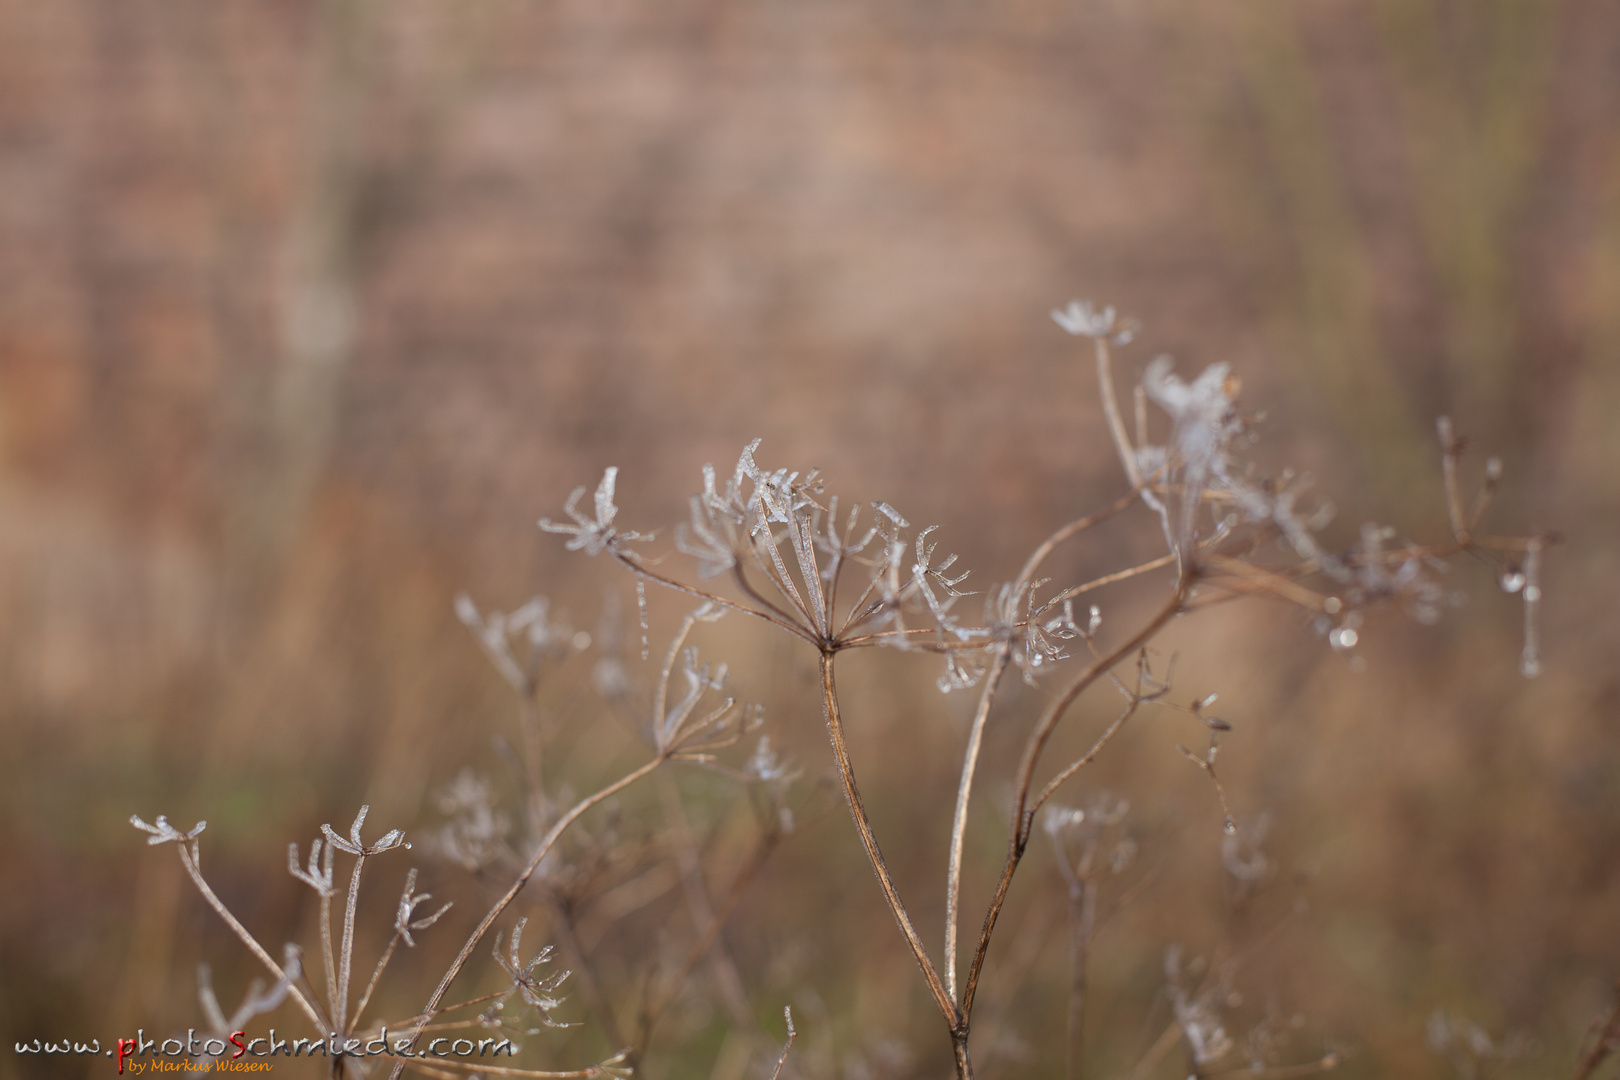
pixel 964 791
pixel 782 579
pixel 863 825
pixel 1074 528
pixel 639 568
pixel 754 594
pixel 1086 759
pixel 1450 448
pixel 371 985
pixel 1082 919
pixel 792 1036
pixel 432 1007
pixel 188 859
pixel 1607 1032
pixel 328 957
pixel 1022 817
pixel 1118 575
pixel 1116 422
pixel 340 1005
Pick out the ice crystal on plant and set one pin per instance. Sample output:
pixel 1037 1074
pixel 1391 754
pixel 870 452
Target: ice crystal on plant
pixel 592 535
pixel 539 992
pixel 409 901
pixel 353 845
pixel 163 832
pixel 1081 319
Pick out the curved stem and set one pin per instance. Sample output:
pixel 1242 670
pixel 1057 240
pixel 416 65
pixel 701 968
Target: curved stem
pixel 1116 422
pixel 1022 818
pixel 755 595
pixel 432 1007
pixel 640 570
pixel 208 894
pixel 1109 579
pixel 863 825
pixel 1074 528
pixel 964 791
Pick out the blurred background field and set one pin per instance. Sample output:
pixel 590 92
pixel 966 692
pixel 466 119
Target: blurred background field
pixel 308 311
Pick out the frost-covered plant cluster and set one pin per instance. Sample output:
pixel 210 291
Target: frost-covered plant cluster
pixel 773 545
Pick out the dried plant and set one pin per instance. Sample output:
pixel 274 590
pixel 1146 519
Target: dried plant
pixel 774 546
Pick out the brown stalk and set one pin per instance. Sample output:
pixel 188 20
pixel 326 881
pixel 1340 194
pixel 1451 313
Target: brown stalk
pixel 189 861
pixel 1608 1039
pixel 964 792
pixel 638 568
pixel 1023 816
pixel 863 825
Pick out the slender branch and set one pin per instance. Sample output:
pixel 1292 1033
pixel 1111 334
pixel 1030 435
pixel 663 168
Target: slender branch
pixel 756 596
pixel 188 860
pixel 782 579
pixel 1082 918
pixel 787 1013
pixel 1266 581
pixel 863 825
pixel 432 1007
pixel 1022 818
pixel 661 695
pixel 340 1006
pixel 804 551
pixel 1608 1039
pixel 1086 759
pixel 1074 528
pixel 1450 448
pixel 1487 491
pixel 964 791
pixel 327 956
pixel 639 568
pixel 1118 575
pixel 371 985
pixel 1116 422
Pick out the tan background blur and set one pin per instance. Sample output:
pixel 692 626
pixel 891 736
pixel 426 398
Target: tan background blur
pixel 307 311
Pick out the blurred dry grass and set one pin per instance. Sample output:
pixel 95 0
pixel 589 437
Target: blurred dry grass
pixel 307 311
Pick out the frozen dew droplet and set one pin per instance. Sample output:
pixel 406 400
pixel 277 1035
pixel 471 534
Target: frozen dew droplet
pixel 1529 664
pixel 641 608
pixel 1230 827
pixel 1332 605
pixel 1512 581
pixel 1343 638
